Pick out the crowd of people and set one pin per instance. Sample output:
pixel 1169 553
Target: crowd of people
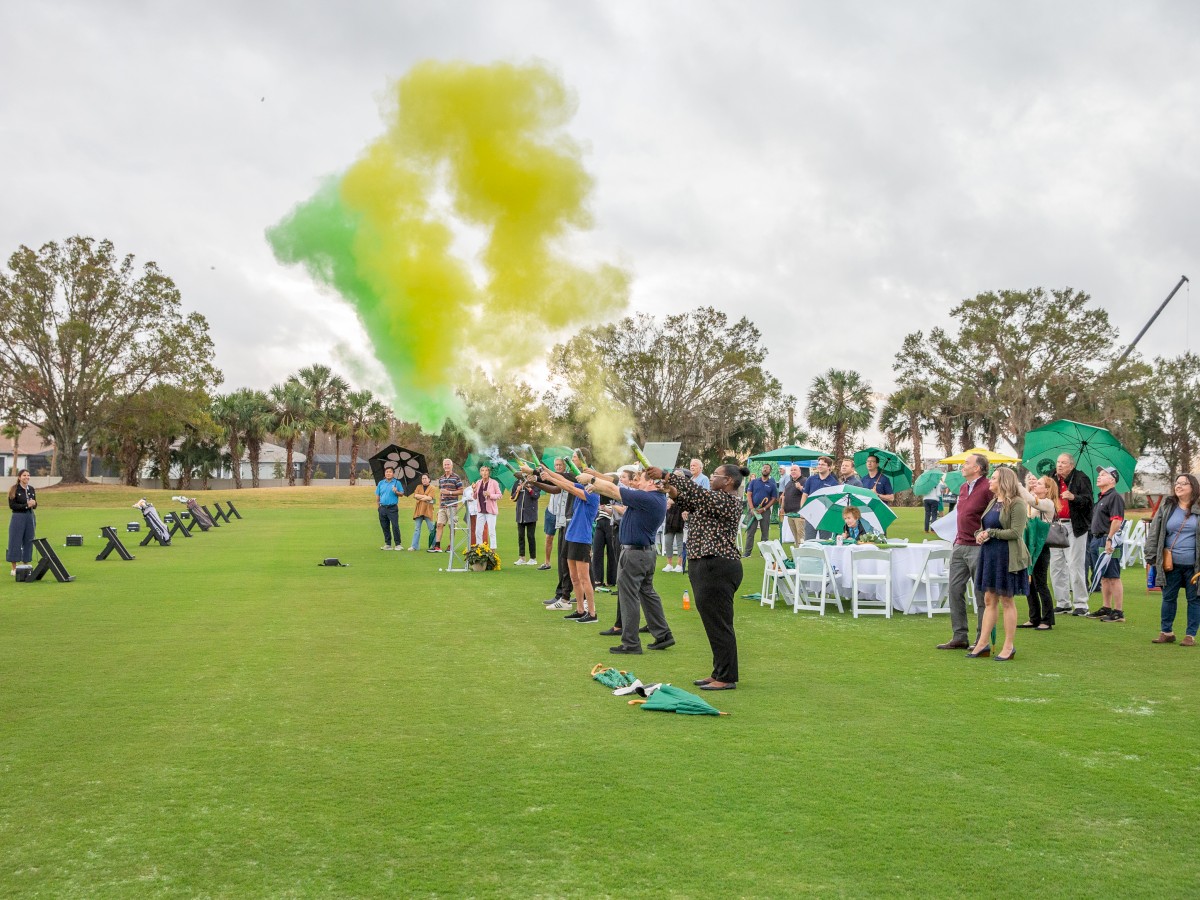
pixel 601 532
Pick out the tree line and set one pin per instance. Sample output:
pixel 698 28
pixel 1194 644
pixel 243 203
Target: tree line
pixel 97 352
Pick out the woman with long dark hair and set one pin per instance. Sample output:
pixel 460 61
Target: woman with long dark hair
pixel 1173 533
pixel 714 562
pixel 22 499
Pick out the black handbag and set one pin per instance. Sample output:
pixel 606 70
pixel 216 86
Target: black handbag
pixel 1058 537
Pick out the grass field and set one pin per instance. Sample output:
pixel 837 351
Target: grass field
pixel 222 718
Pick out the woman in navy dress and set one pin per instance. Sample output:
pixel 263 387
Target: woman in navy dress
pixel 1003 569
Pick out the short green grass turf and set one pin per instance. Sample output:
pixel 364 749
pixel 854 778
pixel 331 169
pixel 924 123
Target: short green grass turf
pixel 222 718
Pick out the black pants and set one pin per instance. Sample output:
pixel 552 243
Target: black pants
pixel 715 581
pixel 1041 604
pixel 525 534
pixel 931 507
pixel 763 530
pixel 389 516
pixel 604 547
pixel 563 591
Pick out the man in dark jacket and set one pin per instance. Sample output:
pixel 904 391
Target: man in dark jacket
pixel 1068 573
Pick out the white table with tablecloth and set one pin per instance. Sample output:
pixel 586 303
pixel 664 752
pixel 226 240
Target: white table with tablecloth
pixel 905 560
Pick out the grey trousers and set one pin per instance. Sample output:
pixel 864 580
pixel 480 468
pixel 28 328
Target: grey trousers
pixel 636 594
pixel 964 559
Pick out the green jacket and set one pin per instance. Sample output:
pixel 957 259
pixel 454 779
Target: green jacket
pixel 1014 514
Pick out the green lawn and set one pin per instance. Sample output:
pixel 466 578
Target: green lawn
pixel 223 718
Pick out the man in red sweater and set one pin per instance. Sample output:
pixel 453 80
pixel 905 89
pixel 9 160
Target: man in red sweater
pixel 973 498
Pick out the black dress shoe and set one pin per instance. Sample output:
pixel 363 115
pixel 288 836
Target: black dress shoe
pixel 732 685
pixel 954 645
pixel 623 649
pixel 645 629
pixel 700 682
pixel 611 631
pixel 663 643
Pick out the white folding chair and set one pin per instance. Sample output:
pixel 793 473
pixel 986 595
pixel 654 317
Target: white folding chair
pixel 812 568
pixel 1135 544
pixel 867 606
pixel 771 573
pixel 928 579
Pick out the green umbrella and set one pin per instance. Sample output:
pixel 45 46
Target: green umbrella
pixel 927 481
pixel 1035 538
pixel 669 698
pixel 552 453
pixel 790 453
pixel 954 480
pixel 1091 447
pixel 823 509
pixel 611 678
pixel 499 471
pixel 897 470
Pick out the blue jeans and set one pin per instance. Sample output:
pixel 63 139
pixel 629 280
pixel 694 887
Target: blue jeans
pixel 418 521
pixel 1180 577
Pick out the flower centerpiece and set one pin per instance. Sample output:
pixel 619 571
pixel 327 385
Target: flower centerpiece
pixel 482 558
pixel 878 540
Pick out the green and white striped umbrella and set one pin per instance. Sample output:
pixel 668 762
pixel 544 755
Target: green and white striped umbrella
pixel 823 508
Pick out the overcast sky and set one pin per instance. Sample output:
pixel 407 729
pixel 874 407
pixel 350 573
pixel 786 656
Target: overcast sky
pixel 841 173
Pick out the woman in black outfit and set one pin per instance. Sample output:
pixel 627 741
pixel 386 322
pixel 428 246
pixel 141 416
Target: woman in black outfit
pixel 21 500
pixel 714 562
pixel 526 493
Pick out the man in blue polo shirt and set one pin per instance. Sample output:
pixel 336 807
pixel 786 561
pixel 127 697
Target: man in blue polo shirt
pixel 388 493
pixel 761 496
pixel 822 478
pixel 645 509
pixel 876 481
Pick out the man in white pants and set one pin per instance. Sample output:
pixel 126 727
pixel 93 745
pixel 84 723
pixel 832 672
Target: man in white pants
pixel 1068 568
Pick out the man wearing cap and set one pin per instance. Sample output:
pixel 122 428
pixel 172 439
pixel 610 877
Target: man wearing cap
pixel 1068 570
pixel 1107 518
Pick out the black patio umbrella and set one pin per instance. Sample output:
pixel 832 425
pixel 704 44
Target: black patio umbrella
pixel 409 465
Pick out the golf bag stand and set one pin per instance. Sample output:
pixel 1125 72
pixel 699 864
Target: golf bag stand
pixel 114 543
pixel 230 511
pixel 215 523
pixel 218 513
pixel 49 562
pixel 176 520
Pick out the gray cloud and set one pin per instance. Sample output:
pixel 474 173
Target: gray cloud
pixel 843 173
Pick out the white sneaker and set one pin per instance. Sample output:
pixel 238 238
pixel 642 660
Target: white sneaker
pixel 561 604
pixel 679 569
pixel 668 568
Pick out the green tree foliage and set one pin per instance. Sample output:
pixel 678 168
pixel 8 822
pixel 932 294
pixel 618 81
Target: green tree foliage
pixel 1021 359
pixel 255 414
pixel 83 332
pixel 147 424
pixel 1174 414
pixel 840 405
pixel 695 377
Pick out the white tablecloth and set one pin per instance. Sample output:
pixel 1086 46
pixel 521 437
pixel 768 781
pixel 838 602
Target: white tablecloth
pixel 905 561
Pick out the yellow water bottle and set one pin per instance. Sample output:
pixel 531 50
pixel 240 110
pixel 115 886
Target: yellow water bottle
pixel 687 604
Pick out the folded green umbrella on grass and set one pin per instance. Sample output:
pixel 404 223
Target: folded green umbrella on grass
pixel 611 678
pixel 669 698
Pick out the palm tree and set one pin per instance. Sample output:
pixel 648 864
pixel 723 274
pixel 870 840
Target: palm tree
pixel 911 412
pixel 256 425
pixel 325 392
pixel 839 402
pixel 367 420
pixel 227 412
pixel 290 406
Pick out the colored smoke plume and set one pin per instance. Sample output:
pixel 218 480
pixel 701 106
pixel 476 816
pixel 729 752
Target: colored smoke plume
pixel 490 140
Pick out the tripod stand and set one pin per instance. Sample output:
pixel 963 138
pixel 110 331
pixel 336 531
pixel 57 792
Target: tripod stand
pixel 455 544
